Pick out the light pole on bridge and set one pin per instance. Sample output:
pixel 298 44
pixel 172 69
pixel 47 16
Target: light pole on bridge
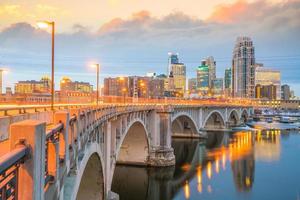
pixel 97 66
pixel 44 25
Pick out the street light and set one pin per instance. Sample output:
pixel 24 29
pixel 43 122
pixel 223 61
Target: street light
pixel 97 66
pixel 44 25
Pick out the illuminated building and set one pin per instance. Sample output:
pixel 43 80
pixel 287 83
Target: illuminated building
pixel 243 65
pixel 114 86
pixel 265 92
pixel 203 79
pixel 173 59
pixel 228 82
pixel 192 85
pixel 178 72
pixel 176 81
pixel 267 77
pixel 30 87
pixel 285 92
pixel 66 84
pixel 135 86
pixel 211 63
pixel 217 86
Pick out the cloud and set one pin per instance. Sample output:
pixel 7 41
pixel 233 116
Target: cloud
pixel 142 41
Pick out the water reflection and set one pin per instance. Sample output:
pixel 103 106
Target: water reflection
pixel 201 165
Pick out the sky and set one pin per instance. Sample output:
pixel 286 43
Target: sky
pixel 133 37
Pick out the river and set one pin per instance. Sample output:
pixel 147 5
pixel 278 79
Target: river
pixel 262 164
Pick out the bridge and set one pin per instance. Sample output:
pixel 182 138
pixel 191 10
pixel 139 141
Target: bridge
pixel 71 152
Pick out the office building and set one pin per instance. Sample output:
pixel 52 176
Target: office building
pixel 211 63
pixel 192 85
pixel 243 68
pixel 33 86
pixel 265 92
pixel 217 87
pixel 228 82
pixel 285 92
pixel 268 77
pixel 66 84
pixel 203 79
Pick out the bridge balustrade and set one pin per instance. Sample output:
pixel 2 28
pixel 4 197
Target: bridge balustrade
pixel 9 172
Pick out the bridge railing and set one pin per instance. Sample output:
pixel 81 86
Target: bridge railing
pixel 9 172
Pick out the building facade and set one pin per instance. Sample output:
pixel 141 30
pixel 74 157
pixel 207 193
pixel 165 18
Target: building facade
pixel 211 63
pixel 66 84
pixel 33 86
pixel 243 68
pixel 228 82
pixel 265 92
pixel 285 92
pixel 192 85
pixel 203 79
pixel 269 77
pixel 217 87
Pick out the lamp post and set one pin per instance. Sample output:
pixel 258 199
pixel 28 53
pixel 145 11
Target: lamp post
pixel 97 66
pixel 44 25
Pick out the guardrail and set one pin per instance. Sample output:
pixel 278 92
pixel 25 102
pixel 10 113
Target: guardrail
pixel 9 168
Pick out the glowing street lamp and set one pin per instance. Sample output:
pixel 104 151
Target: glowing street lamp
pixel 45 25
pixel 97 66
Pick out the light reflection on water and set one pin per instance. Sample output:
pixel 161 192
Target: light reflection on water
pixel 240 165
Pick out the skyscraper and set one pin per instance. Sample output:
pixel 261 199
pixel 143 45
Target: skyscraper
pixel 285 92
pixel 243 68
pixel 203 79
pixel 228 82
pixel 211 63
pixel 176 74
pixel 173 59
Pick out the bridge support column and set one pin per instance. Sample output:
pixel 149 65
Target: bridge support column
pixel 31 173
pixel 63 117
pixel 161 152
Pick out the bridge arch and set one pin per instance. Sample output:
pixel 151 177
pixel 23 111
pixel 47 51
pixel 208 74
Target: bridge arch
pixel 244 116
pixel 214 120
pixel 134 145
pixel 233 118
pixel 184 125
pixel 89 183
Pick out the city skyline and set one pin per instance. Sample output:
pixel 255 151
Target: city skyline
pixel 141 41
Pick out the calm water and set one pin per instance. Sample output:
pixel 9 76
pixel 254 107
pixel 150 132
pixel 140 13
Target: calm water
pixel 239 165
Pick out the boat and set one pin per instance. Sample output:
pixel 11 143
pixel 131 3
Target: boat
pixel 285 119
pixel 269 119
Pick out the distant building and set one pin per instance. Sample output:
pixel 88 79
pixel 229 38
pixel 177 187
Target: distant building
pixel 265 92
pixel 66 84
pixel 117 86
pixel 192 85
pixel 228 82
pixel 30 87
pixel 173 59
pixel 203 79
pixel 134 86
pixel 285 92
pixel 217 86
pixel 243 65
pixel 179 75
pixel 211 63
pixel 268 77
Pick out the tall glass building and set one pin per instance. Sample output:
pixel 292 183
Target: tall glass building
pixel 203 79
pixel 211 63
pixel 228 82
pixel 217 86
pixel 173 59
pixel 243 68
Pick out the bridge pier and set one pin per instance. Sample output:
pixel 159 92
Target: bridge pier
pixel 161 152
